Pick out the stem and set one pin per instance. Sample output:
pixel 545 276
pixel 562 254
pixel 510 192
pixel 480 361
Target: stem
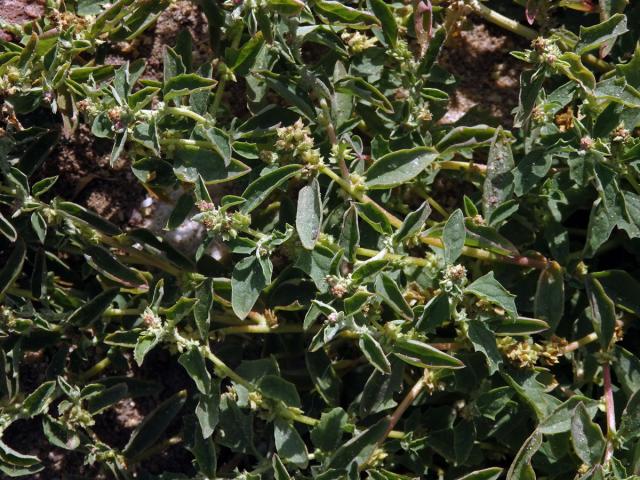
pixel 97 369
pixel 404 405
pixel 234 329
pixel 122 312
pixel 331 133
pixel 367 252
pixel 225 371
pixel 500 20
pixel 576 344
pixel 610 410
pixel 529 33
pixel 217 100
pixel 159 448
pixel 464 166
pixel 185 112
pixel 521 261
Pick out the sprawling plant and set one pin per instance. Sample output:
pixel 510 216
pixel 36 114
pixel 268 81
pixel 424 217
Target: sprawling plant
pixel 336 321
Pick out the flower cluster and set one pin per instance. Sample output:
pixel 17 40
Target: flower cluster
pixel 295 143
pixel 358 42
pixel 219 221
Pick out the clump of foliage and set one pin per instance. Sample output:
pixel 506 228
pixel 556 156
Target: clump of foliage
pixel 351 327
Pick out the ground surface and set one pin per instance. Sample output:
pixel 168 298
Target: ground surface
pixel 487 79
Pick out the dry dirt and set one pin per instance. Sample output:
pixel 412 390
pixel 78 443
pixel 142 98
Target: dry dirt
pixel 488 76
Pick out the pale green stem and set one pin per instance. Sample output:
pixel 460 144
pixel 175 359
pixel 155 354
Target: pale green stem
pixel 97 369
pixel 225 371
pixel 217 100
pixel 484 255
pixel 529 33
pixel 188 113
pixel 576 344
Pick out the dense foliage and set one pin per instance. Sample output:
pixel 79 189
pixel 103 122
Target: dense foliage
pixel 336 320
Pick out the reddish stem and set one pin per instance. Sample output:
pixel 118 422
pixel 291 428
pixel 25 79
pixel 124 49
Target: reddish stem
pixel 406 403
pixel 610 410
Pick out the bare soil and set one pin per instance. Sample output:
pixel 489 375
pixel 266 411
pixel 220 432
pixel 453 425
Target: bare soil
pixel 488 76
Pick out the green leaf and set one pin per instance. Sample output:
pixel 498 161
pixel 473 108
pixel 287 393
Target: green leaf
pixel 248 54
pixel 208 410
pixel 576 71
pixel 193 362
pixel 492 473
pixel 399 167
pixel 363 90
pixel 627 368
pixel 359 448
pixel 186 84
pixel 154 425
pixel 279 470
pixel 146 342
pixel 7 229
pixel 390 293
pixel 59 435
pixel 286 7
pixel 374 353
pixel 12 267
pixel 102 400
pixel 453 237
pixel 380 389
pixel 39 226
pixel 548 302
pixel 43 186
pixel 247 281
pixel 277 388
pixel 202 311
pixel 88 313
pixel 586 436
pixel 375 218
pixel 289 444
pixel 593 37
pixel 421 354
pixel 38 400
pixel 603 313
pixel 309 214
pixel 630 420
pixel 498 183
pixel 461 138
pixel 89 217
pixel 350 233
pixel 180 212
pixel 622 288
pixel 106 264
pixel 484 340
pixel 413 223
pixel 203 449
pixel 559 421
pixel 436 313
pixel 16 464
pixel 389 26
pixel 489 289
pixel 518 326
pixel 258 191
pixel 327 434
pixel 521 466
pixel 183 307
pixel 324 376
pixel 339 12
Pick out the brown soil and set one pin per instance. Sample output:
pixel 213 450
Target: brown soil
pixel 488 77
pixel 181 15
pixel 81 162
pixel 20 11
